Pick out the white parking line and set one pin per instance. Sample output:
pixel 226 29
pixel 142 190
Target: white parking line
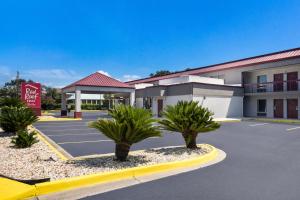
pixel 84 142
pixel 62 125
pixel 294 128
pixel 60 135
pixel 62 130
pixel 261 124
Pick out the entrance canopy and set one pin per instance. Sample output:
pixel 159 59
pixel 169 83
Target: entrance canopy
pixel 95 83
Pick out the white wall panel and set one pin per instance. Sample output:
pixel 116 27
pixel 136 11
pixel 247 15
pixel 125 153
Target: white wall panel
pixel 222 106
pixel 139 102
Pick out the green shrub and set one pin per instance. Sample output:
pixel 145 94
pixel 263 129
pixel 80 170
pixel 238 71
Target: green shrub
pixel 15 102
pixel 91 106
pixel 104 106
pixel 189 119
pixel 129 125
pixel 49 104
pixel 24 139
pixel 13 119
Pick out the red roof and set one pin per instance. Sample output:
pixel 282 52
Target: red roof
pixel 99 80
pixel 272 57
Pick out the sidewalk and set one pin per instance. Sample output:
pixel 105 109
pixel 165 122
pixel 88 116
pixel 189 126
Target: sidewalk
pixel 227 119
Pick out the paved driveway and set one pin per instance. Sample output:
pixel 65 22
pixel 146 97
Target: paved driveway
pixel 263 163
pixel 78 139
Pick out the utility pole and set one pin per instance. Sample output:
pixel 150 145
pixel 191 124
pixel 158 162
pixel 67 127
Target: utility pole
pixel 18 83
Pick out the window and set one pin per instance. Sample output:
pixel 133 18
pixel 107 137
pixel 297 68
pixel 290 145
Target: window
pixel 261 83
pixel 292 81
pixel 262 79
pixel 261 107
pixel 147 102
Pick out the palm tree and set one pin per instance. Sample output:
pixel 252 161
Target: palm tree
pixel 13 119
pixel 15 102
pixel 189 119
pixel 129 125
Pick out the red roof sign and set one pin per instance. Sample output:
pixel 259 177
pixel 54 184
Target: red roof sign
pixel 99 80
pixel 31 94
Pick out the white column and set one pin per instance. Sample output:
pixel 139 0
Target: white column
pixel 298 108
pixel 63 101
pixel 285 81
pixel 77 100
pixel 63 111
pixel 132 98
pixel 284 108
pixel 154 106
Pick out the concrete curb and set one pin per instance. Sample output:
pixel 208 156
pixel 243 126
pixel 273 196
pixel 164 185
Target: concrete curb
pixel 11 190
pixel 62 154
pixel 83 192
pixel 59 119
pixel 108 177
pixel 81 181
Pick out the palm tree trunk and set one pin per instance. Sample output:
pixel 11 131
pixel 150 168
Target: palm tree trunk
pixel 190 140
pixel 121 151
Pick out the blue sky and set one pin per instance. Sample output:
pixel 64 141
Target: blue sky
pixel 56 42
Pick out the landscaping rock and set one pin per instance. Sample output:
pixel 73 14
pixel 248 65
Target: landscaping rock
pixel 39 161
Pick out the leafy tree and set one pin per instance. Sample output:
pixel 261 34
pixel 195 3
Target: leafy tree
pixel 51 98
pixel 48 103
pixel 129 125
pixel 53 93
pixel 12 88
pixel 160 73
pixel 189 119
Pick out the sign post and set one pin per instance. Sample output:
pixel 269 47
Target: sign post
pixel 31 95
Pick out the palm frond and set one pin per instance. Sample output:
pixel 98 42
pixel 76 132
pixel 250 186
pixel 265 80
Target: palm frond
pixel 13 119
pixel 129 125
pixel 188 117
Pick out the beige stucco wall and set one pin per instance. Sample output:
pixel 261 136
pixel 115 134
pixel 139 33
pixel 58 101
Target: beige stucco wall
pixel 139 102
pixel 251 77
pixel 222 106
pixel 234 76
pixel 250 105
pixel 169 100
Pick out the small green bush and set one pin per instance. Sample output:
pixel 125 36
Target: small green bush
pixel 104 106
pixel 13 119
pixel 91 107
pixel 24 139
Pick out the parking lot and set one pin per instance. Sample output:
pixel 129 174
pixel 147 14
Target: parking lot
pixel 262 163
pixel 78 139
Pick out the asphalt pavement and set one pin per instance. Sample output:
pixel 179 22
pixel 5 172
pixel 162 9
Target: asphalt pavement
pixel 76 138
pixel 262 163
